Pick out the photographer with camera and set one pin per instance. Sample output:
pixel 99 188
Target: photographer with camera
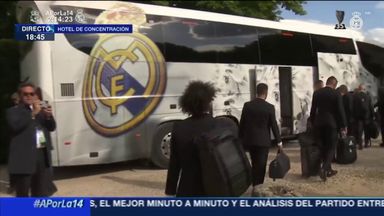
pixel 29 160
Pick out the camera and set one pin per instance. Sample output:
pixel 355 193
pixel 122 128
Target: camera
pixel 44 104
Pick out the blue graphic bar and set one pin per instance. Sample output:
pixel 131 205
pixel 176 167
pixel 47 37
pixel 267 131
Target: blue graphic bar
pixel 236 206
pixel 137 206
pixel 35 36
pixel 34 28
pixel 44 207
pixel 90 29
pixel 73 28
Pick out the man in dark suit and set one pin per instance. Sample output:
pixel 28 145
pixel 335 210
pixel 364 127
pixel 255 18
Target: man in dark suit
pixel 316 86
pixel 15 101
pixel 362 109
pixel 29 159
pixel 257 120
pixel 380 106
pixel 327 115
pixel 348 106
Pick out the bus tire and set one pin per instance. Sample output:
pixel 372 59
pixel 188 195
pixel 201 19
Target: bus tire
pixel 161 145
pixel 229 123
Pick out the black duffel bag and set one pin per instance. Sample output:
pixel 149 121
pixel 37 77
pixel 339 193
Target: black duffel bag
pixel 346 150
pixel 279 167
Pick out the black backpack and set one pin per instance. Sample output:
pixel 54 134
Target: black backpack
pixel 225 167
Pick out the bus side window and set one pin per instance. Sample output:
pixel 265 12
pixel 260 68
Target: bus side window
pixel 278 47
pixel 328 44
pixel 239 43
pixel 187 40
pixel 371 57
pixel 153 29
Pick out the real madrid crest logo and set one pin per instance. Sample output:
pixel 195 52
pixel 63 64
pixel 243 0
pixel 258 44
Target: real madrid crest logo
pixel 123 84
pixel 356 22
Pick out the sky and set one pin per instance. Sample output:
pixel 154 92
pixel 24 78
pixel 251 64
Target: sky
pixel 372 15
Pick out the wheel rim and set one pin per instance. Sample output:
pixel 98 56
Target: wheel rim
pixel 166 145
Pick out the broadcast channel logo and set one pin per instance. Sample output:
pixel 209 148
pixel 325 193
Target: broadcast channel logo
pixel 35 16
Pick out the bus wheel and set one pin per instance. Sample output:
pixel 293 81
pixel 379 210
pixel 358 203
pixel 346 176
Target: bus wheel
pixel 228 123
pixel 161 149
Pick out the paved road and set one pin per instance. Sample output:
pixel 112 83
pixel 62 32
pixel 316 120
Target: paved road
pixel 136 178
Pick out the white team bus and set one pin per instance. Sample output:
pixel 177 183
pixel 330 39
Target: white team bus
pixel 115 96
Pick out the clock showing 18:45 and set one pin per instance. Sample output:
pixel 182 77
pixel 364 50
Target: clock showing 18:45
pixel 39 37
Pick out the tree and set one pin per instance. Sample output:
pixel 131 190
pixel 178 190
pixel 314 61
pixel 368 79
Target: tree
pixel 270 10
pixel 7 18
pixel 9 64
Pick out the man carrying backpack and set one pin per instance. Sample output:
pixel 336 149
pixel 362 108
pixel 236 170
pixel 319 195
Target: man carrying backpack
pixel 361 105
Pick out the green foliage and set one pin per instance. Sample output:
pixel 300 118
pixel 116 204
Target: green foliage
pixel 9 64
pixel 7 18
pixel 270 10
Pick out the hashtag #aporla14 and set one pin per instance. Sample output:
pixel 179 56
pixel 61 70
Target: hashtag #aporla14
pixel 50 203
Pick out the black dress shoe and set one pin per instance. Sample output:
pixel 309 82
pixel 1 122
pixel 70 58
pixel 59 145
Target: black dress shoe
pixel 368 144
pixel 382 145
pixel 323 175
pixel 331 173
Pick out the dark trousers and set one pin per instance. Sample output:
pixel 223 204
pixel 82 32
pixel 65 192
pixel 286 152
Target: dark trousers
pixel 359 128
pixel 326 139
pixel 39 183
pixel 382 136
pixel 351 129
pixel 259 158
pixel 382 129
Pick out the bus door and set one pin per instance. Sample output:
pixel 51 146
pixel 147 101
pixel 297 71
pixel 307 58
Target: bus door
pixel 286 102
pixel 252 83
pixel 279 81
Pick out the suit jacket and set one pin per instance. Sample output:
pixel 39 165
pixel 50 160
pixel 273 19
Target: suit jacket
pixel 184 161
pixel 380 100
pixel 358 114
pixel 371 109
pixel 348 107
pixel 257 119
pixel 22 153
pixel 327 108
